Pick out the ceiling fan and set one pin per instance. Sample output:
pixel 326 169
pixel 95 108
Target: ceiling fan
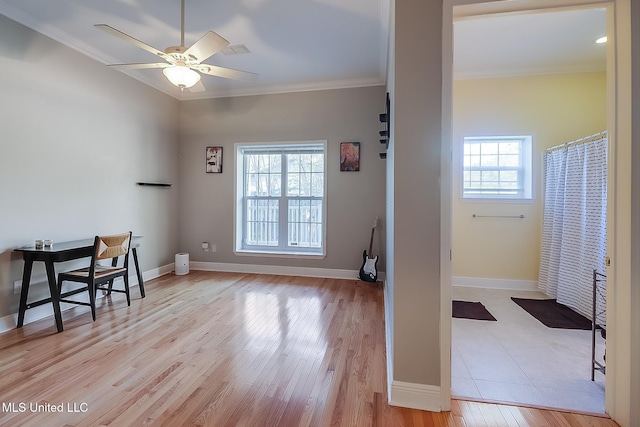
pixel 183 65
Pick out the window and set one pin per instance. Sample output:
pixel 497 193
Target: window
pixel 497 167
pixel 280 193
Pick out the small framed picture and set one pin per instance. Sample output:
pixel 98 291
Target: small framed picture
pixel 349 156
pixel 214 159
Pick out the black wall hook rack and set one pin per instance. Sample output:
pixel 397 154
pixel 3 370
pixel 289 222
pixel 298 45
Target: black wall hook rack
pixel 386 119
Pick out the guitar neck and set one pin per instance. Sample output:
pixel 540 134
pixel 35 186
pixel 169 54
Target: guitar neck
pixel 371 240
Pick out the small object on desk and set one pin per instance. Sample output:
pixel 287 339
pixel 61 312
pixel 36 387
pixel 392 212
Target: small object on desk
pixel 48 243
pixel 39 244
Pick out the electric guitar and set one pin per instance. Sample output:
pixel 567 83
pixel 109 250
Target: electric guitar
pixel 368 271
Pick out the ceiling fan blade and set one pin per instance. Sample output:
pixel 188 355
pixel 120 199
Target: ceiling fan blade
pixel 141 66
pixel 208 44
pixel 198 87
pixel 227 73
pixel 132 40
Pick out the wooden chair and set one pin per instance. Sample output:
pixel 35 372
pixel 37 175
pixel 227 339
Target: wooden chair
pixel 98 276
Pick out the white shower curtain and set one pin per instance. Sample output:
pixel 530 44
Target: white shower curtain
pixel 574 223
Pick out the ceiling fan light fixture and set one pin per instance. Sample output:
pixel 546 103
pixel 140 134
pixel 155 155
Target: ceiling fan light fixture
pixel 181 76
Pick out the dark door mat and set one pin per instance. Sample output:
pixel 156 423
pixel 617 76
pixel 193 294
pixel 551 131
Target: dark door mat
pixel 470 310
pixel 553 314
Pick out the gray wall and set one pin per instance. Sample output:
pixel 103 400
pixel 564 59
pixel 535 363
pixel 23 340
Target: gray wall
pixel 415 187
pixel 354 198
pixel 76 137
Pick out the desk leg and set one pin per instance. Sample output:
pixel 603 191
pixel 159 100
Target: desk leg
pixel 24 293
pixel 138 272
pixel 55 296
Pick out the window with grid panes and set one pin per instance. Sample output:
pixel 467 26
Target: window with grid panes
pixel 497 167
pixel 281 189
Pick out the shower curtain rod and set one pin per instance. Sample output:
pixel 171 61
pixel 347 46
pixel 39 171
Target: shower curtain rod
pixel 577 141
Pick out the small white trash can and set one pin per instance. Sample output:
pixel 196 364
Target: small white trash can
pixel 182 264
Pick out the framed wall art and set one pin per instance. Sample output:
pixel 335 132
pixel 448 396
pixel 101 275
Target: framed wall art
pixel 214 159
pixel 349 156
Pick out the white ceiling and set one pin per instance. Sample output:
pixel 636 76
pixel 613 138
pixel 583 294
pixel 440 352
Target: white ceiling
pixel 530 43
pixel 308 44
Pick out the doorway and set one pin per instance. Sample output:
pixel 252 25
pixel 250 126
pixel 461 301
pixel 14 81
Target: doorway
pixel 448 135
pixel 496 233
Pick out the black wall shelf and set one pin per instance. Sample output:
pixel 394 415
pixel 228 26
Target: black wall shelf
pixel 154 184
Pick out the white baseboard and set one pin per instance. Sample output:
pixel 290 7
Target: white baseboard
pixel 388 326
pixel 415 396
pixel 37 313
pixel 403 394
pixel 157 272
pixel 487 283
pixel 330 273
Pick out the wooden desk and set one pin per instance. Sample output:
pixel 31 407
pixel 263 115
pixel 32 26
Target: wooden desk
pixel 60 252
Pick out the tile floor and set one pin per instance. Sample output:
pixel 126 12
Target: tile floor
pixel 519 360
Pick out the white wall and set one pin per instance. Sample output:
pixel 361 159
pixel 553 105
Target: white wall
pixel 622 244
pixel 77 136
pixel 354 199
pixel 389 288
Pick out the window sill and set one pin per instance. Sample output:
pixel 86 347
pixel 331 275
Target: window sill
pixel 495 200
pixel 274 254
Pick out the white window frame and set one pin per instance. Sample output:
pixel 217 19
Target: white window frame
pixel 524 169
pixel 241 247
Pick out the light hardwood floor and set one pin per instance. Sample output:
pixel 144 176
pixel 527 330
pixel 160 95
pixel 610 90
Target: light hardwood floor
pixel 225 349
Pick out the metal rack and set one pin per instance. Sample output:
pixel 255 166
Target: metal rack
pixel 599 292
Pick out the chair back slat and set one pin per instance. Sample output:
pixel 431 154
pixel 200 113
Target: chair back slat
pixel 112 246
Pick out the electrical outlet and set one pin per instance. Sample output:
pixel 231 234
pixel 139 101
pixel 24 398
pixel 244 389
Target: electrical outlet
pixel 205 246
pixel 213 248
pixel 17 286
